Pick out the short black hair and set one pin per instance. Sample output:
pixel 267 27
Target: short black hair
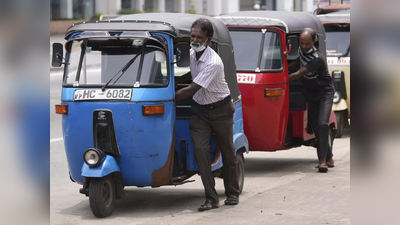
pixel 311 32
pixel 205 25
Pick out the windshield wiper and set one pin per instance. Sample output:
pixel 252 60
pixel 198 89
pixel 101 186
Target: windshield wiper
pixel 122 71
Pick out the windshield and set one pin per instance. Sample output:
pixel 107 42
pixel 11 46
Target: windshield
pixel 103 58
pixel 337 39
pixel 248 45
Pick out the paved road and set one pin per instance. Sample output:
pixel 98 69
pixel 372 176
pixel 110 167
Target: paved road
pixel 280 188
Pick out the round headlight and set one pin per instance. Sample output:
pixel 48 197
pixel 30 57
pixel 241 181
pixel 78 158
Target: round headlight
pixel 91 157
pixel 337 74
pixel 336 97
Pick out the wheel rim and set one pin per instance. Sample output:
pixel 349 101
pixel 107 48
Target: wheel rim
pixel 107 194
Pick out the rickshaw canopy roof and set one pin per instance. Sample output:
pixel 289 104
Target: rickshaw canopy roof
pixel 289 22
pixel 175 24
pixel 336 17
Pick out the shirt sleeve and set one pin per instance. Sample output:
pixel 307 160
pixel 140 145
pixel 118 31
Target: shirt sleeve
pixel 314 65
pixel 205 77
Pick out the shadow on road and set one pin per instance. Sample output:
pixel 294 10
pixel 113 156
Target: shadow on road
pixel 148 202
pixel 277 167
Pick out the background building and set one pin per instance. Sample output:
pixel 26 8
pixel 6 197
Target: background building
pixel 87 9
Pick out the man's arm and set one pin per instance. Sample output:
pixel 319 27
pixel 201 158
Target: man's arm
pixel 187 91
pixel 182 79
pixel 301 72
pixel 295 63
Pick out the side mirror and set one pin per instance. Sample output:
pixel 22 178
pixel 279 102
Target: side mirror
pixel 183 54
pixel 57 60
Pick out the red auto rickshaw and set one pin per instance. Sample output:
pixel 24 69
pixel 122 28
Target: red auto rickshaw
pixel 274 110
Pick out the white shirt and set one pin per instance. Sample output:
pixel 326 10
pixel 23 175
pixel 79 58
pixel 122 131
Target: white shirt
pixel 208 72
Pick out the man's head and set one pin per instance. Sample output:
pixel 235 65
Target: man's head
pixel 307 39
pixel 202 32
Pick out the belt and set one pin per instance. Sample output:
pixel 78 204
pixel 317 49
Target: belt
pixel 216 104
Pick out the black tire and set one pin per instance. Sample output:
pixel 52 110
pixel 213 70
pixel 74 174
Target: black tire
pixel 102 195
pixel 340 123
pixel 240 160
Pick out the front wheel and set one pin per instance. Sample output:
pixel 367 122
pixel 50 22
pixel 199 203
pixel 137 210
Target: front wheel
pixel 102 196
pixel 240 160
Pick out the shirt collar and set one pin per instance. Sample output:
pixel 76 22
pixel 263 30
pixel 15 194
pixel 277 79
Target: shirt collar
pixel 202 57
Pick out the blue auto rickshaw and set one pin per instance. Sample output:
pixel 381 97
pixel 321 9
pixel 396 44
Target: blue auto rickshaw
pixel 121 124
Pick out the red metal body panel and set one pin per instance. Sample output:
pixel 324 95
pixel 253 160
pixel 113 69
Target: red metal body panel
pixel 265 118
pixel 299 121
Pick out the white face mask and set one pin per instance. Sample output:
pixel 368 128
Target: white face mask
pixel 197 48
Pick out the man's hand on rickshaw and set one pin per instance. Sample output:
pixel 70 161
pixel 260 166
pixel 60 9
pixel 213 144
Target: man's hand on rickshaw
pixel 301 72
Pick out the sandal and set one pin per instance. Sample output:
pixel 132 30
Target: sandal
pixel 208 205
pixel 329 166
pixel 232 200
pixel 322 169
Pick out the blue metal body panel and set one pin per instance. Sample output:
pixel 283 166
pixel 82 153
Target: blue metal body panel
pixel 135 134
pixel 108 166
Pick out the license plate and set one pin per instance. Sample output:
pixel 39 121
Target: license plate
pixel 97 94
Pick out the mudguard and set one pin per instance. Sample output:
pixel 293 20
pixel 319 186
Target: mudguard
pixel 108 166
pixel 341 105
pixel 239 141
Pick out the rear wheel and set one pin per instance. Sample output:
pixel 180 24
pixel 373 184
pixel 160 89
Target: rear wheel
pixel 240 160
pixel 340 123
pixel 102 196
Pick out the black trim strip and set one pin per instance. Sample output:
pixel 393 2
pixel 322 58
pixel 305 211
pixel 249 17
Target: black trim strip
pixel 261 71
pixel 141 62
pixel 260 53
pixel 102 100
pixel 83 53
pixel 115 86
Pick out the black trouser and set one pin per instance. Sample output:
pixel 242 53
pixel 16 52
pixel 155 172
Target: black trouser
pixel 319 112
pixel 215 118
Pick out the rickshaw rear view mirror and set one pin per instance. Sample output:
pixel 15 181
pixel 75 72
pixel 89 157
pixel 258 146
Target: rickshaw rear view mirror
pixel 57 59
pixel 183 54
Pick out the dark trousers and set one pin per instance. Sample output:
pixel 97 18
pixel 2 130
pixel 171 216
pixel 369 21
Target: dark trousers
pixel 319 112
pixel 215 118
